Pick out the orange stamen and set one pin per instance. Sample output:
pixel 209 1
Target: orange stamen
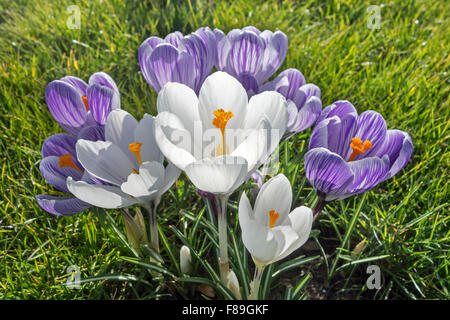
pixel 85 103
pixel 136 149
pixel 273 217
pixel 359 147
pixel 66 161
pixel 220 122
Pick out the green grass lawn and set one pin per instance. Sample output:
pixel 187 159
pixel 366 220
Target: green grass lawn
pixel 400 70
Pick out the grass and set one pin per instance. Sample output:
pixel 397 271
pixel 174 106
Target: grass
pixel 400 70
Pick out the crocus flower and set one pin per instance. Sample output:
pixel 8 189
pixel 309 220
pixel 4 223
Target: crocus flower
pixel 304 103
pixel 350 154
pixel 221 111
pixel 76 105
pixel 177 58
pixel 129 161
pixel 251 56
pixel 81 109
pixel 271 231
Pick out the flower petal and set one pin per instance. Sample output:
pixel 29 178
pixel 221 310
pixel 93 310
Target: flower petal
pixel 109 197
pixel 92 133
pixel 259 241
pixel 327 172
pixel 300 220
pixel 145 134
pixel 146 184
pixel 222 91
pixel 56 175
pixel 308 114
pixel 104 160
pixel 58 145
pixel 371 126
pixel 174 140
pixel 167 64
pixel 61 206
pixel 170 176
pixel 100 102
pixel 221 175
pixel 77 83
pixel 180 100
pixel 65 105
pixel 246 215
pixel 275 194
pixel 274 53
pixel 104 79
pixel 398 146
pixel 368 172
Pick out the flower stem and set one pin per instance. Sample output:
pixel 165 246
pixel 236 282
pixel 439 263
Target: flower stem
pixel 223 245
pixel 254 294
pixel 154 237
pixel 320 205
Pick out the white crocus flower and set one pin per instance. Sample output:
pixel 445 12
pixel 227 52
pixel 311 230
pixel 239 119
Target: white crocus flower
pixel 220 137
pixel 271 232
pixel 131 164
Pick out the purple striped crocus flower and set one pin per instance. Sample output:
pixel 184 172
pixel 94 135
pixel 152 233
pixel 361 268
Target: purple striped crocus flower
pixel 304 103
pixel 350 154
pixel 249 55
pixel 81 109
pixel 177 58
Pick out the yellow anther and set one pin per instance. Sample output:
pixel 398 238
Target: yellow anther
pixel 359 147
pixel 66 161
pixel 273 217
pixel 219 150
pixel 220 122
pixel 85 103
pixel 136 149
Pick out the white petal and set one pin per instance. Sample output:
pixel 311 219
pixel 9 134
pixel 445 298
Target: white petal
pixel 275 194
pixel 109 197
pixel 270 104
pixel 173 140
pixel 245 211
pixel 222 91
pixel 145 134
pixel 119 129
pixel 170 176
pixel 286 238
pixel 145 185
pixel 255 148
pixel 300 220
pixel 260 242
pixel 221 175
pixel 104 160
pixel 180 100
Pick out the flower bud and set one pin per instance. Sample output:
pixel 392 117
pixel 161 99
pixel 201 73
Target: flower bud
pixel 185 260
pixel 233 284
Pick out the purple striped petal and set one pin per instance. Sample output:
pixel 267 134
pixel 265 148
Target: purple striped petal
pixel 100 99
pixel 274 54
pixel 368 172
pixel 308 114
pixel 287 83
pixel 56 175
pixel 327 172
pixel 167 64
pixel 304 93
pixel 340 108
pixel 92 133
pixel 223 48
pixel 199 51
pixel 399 148
pixel 252 29
pixel 61 206
pixel 175 39
pixel 245 55
pixel 334 134
pixel 77 83
pixel 66 105
pixel 104 79
pixel 58 145
pixel 371 126
pixel 292 116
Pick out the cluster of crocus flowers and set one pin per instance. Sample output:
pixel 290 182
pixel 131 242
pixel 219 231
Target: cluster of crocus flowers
pixel 81 109
pixel 219 129
pixel 350 154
